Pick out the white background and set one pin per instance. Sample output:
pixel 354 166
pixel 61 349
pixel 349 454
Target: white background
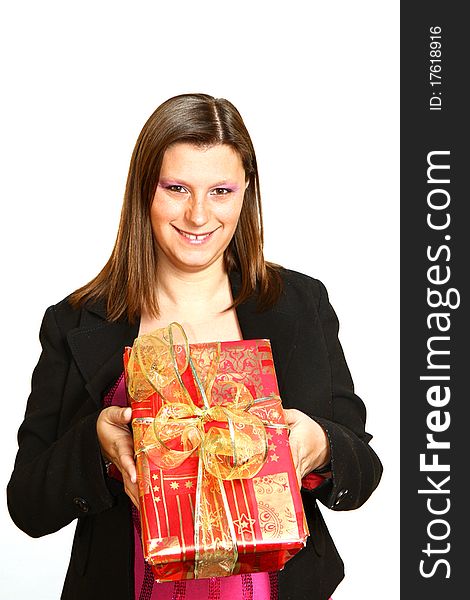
pixel 317 85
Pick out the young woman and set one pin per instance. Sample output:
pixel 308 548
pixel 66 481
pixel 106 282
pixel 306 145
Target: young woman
pixel 189 249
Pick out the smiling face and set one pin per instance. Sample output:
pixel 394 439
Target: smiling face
pixel 197 204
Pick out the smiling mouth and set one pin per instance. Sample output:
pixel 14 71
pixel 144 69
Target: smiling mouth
pixel 192 237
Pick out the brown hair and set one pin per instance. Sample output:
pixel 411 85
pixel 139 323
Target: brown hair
pixel 127 281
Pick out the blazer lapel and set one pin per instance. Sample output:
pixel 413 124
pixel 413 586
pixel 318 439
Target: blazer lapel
pixel 97 347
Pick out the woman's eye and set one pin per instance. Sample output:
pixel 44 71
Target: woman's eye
pixel 177 188
pixel 221 191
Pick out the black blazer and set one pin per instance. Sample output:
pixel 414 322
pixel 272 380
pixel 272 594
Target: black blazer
pixel 59 476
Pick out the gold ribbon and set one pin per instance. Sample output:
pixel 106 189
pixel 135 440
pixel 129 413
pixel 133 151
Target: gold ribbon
pixel 231 442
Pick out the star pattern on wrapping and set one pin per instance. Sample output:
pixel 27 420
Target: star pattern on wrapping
pixel 244 524
pixel 174 485
pixel 155 477
pixel 272 447
pixel 158 499
pixel 274 457
pixel 269 435
pixel 156 488
pixel 188 484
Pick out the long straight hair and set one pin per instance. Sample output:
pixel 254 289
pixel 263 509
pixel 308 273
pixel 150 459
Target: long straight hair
pixel 127 282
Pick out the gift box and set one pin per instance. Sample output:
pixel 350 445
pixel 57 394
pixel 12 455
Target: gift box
pixel 218 491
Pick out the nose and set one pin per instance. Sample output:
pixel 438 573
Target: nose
pixel 197 210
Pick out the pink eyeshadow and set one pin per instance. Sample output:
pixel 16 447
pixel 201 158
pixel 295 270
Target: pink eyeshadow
pixel 167 182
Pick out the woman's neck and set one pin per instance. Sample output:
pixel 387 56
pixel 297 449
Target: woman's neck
pixel 198 301
pixel 189 292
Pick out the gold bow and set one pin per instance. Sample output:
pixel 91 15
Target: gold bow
pixel 231 442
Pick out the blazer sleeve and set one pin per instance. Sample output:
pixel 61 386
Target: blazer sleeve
pixel 356 468
pixel 55 479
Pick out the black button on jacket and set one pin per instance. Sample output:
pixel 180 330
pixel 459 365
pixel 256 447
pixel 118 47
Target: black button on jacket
pixel 59 476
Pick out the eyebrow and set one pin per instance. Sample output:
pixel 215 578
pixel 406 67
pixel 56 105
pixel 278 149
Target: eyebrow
pixel 175 181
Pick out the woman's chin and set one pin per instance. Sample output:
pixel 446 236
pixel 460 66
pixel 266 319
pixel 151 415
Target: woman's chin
pixel 195 264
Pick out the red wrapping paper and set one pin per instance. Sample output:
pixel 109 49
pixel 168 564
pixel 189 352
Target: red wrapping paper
pixel 265 512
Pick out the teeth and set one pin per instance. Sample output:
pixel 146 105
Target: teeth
pixel 195 237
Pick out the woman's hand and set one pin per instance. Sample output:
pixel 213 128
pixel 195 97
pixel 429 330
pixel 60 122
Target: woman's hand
pixel 117 445
pixel 308 441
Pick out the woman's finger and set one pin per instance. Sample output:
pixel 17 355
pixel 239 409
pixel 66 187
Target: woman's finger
pixel 295 457
pixel 116 415
pixel 308 441
pixel 132 491
pixel 291 416
pixel 128 465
